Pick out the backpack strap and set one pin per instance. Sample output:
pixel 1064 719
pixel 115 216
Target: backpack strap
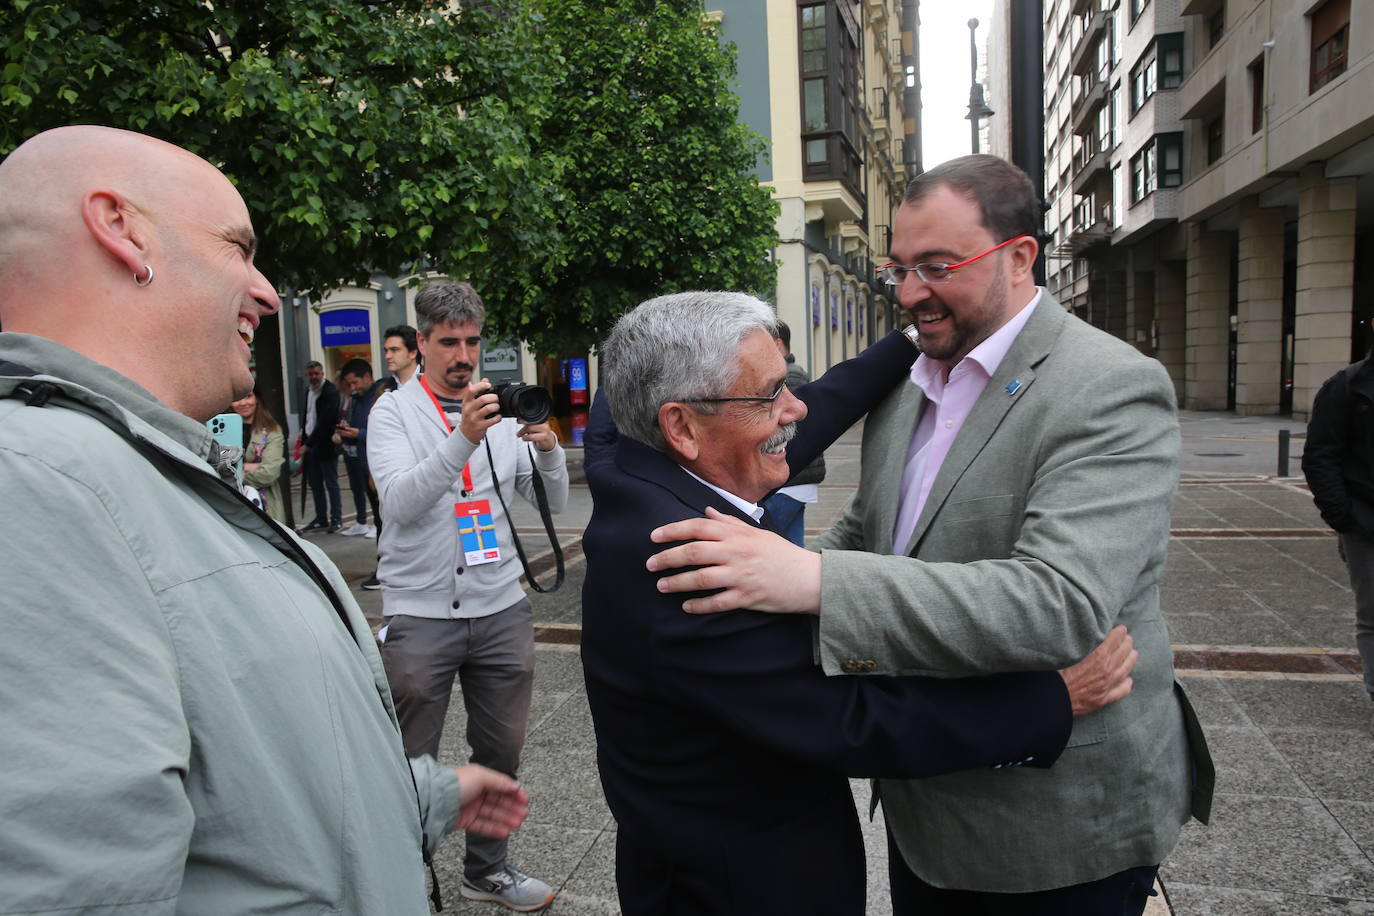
pixel 36 394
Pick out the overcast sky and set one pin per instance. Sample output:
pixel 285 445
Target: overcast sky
pixel 945 74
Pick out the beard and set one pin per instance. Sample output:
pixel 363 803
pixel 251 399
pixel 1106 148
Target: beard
pixel 968 327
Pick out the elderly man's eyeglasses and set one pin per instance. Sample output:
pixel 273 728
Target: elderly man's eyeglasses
pixel 934 272
pixel 771 400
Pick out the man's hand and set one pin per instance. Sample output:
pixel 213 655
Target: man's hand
pixel 541 435
pixel 758 569
pixel 348 432
pixel 1103 677
pixel 481 411
pixel 490 803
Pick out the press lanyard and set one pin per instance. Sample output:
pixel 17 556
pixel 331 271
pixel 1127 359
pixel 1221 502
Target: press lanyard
pixel 443 416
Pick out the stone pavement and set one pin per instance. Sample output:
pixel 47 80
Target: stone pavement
pixel 1259 610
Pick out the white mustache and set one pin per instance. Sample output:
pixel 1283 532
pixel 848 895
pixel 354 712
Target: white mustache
pixel 779 439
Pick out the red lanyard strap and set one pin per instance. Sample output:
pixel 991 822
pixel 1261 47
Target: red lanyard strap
pixel 443 416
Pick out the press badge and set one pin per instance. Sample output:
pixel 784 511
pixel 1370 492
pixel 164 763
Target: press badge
pixel 477 532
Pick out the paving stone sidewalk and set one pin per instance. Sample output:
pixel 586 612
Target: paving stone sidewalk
pixel 1260 613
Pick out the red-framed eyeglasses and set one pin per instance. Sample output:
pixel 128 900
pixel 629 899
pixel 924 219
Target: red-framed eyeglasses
pixel 935 272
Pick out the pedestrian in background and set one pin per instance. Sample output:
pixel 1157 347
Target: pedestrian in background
pixel 319 417
pixel 356 378
pixel 1338 462
pixel 264 450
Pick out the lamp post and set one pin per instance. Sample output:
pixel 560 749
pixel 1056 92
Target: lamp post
pixel 977 105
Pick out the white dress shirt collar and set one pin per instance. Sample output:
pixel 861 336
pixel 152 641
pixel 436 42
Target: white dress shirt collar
pixel 753 510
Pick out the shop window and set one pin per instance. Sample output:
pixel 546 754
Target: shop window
pixel 1330 39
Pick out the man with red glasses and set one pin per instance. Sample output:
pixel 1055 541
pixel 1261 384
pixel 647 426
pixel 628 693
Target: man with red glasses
pixel 1013 507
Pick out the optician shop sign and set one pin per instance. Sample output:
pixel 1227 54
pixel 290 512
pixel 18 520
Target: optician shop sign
pixel 345 327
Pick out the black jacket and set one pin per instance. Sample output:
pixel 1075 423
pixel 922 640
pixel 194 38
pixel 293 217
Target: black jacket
pixel 722 747
pixel 326 419
pixel 1338 459
pixel 815 471
pixel 360 408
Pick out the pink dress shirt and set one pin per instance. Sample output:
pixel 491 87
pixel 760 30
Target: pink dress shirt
pixel 949 400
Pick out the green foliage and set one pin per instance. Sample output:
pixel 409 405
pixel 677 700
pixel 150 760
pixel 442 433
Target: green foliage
pixel 570 157
pixel 361 135
pixel 658 194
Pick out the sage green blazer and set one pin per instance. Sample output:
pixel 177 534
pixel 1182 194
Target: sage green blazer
pixel 1047 524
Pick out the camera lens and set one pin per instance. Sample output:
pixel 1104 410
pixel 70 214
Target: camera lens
pixel 526 403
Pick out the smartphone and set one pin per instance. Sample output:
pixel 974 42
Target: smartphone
pixel 227 430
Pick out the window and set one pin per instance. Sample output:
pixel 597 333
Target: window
pixel 1215 136
pixel 1159 164
pixel 1216 26
pixel 1330 38
pixel 1170 160
pixel 1116 196
pixel 1143 173
pixel 1160 67
pixel 1170 60
pixel 1138 7
pixel 1143 79
pixel 815 114
pixel 1256 95
pixel 1107 119
pixel 830 67
pixel 1113 115
pixel 1113 38
pixel 1083 215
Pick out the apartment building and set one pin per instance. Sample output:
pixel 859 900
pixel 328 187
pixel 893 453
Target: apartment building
pixel 1208 177
pixel 833 86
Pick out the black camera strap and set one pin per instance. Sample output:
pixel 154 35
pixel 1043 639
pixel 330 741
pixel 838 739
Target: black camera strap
pixel 541 499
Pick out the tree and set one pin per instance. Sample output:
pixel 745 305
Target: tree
pixel 658 192
pixel 569 157
pixel 362 136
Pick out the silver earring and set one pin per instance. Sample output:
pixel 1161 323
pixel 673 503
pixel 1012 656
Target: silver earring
pixel 138 282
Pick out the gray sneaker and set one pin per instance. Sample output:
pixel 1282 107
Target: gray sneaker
pixel 509 887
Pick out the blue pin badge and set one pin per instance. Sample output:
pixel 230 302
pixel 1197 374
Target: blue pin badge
pixel 1013 386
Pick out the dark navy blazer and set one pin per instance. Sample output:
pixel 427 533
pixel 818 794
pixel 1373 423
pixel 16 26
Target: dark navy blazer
pixel 723 750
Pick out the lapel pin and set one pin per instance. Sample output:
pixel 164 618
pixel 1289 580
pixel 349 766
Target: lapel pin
pixel 1013 386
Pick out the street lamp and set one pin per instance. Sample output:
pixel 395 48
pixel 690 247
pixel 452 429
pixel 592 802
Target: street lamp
pixel 977 105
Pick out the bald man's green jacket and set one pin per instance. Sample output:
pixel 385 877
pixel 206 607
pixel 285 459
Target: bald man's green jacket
pixel 194 713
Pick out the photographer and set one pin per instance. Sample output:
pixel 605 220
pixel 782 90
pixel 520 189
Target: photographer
pixel 450 576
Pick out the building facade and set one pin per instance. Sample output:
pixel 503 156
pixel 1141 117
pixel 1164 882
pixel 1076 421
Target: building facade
pixel 833 86
pixel 1210 186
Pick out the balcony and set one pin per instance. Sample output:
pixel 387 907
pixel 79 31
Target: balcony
pixel 1199 7
pixel 1088 170
pixel 1099 232
pixel 1085 52
pixel 1085 106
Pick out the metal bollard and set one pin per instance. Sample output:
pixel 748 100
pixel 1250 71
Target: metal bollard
pixel 1284 439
